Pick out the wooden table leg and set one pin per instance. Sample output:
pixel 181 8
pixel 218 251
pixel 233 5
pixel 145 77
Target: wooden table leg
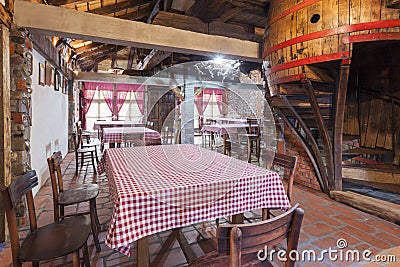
pixel 142 250
pixel 237 218
pixel 187 250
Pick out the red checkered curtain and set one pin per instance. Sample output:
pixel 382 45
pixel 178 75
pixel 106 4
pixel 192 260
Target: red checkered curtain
pixel 218 92
pixel 139 95
pixel 122 93
pixel 107 89
pixel 201 100
pixel 87 95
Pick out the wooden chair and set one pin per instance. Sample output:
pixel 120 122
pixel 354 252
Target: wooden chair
pixel 48 242
pixel 239 244
pixel 253 139
pixel 168 135
pixel 85 134
pixel 287 162
pixel 83 154
pixel 62 198
pixel 88 144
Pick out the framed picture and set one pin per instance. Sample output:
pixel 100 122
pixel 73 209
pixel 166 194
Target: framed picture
pixel 48 74
pixel 57 80
pixel 29 62
pixel 52 77
pixel 42 75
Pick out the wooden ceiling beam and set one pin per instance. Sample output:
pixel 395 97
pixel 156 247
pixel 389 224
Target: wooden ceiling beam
pixel 194 24
pixel 153 59
pixel 67 2
pixel 100 50
pixel 229 14
pixel 90 62
pixel 138 14
pixel 119 6
pixel 132 53
pixel 85 48
pixel 255 6
pixel 73 24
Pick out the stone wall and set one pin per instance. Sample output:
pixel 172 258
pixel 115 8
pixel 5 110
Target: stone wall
pixel 305 173
pixel 20 100
pixel 20 107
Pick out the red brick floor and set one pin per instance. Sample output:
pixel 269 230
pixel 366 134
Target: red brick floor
pixel 325 222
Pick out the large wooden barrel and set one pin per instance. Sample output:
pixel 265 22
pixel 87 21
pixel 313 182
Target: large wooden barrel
pixel 301 33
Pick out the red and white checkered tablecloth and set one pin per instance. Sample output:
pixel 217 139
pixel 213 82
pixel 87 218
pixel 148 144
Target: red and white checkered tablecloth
pixel 156 188
pixel 121 134
pixel 224 128
pixel 98 125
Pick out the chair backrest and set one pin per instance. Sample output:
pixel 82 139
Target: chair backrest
pixel 11 197
pixel 254 126
pixel 54 163
pixel 239 239
pixel 289 163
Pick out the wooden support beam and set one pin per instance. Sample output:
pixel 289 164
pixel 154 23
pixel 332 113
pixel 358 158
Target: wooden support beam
pixel 383 209
pixel 65 22
pixel 154 12
pixel 340 107
pixel 314 146
pixel 5 16
pixel 178 80
pixel 5 120
pixel 132 54
pixel 67 2
pixel 119 6
pixel 214 28
pixel 138 14
pixel 153 59
pixel 92 53
pixel 326 142
pixel 230 13
pixel 85 48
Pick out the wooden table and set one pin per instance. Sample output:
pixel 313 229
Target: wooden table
pixel 158 188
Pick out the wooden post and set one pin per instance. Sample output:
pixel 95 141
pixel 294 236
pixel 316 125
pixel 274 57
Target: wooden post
pixel 5 123
pixel 338 128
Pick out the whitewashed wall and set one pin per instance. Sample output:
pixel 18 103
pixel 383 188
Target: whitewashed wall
pixel 49 130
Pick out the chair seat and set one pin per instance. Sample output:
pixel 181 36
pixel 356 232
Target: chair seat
pixel 79 194
pixel 95 142
pixel 87 149
pixel 214 260
pixel 56 239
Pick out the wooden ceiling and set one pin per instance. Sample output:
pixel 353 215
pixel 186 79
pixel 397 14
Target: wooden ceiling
pixel 241 19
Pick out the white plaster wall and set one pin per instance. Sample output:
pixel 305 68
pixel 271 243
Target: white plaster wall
pixel 49 131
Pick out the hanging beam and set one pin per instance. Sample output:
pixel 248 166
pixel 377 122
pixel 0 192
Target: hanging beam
pixel 153 59
pixel 339 121
pixel 65 22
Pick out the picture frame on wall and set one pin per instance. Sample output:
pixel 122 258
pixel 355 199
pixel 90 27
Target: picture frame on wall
pixel 57 78
pixel 42 75
pixel 53 75
pixel 48 74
